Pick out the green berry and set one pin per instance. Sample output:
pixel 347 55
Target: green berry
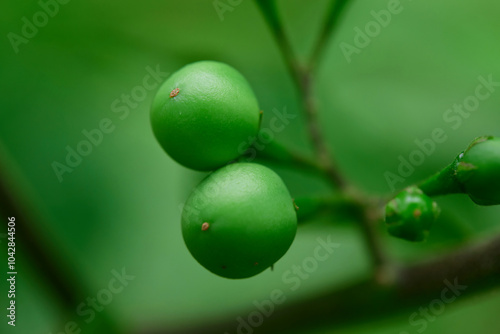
pixel 205 115
pixel 478 171
pixel 411 214
pixel 239 220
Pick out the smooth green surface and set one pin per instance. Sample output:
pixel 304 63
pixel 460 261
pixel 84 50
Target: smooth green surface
pixel 250 216
pixel 411 214
pixel 120 206
pixel 479 171
pixel 205 115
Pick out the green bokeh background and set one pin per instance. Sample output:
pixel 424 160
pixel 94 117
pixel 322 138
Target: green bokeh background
pixel 121 206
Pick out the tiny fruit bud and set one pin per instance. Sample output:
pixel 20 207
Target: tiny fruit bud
pixel 411 214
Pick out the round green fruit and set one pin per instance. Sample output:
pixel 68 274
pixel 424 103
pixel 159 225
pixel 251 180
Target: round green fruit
pixel 239 220
pixel 478 171
pixel 410 214
pixel 205 115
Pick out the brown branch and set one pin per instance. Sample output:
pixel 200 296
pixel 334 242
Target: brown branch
pixel 477 267
pixel 33 240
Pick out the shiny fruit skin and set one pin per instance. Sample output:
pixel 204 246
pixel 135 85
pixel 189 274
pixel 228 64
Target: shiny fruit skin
pixel 478 171
pixel 205 115
pixel 239 220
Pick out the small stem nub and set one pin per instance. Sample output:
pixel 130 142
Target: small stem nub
pixel 205 226
pixel 174 92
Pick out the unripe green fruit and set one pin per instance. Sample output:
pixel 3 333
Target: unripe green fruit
pixel 411 214
pixel 239 220
pixel 478 171
pixel 204 115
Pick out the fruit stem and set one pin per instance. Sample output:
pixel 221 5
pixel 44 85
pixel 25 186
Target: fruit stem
pixel 337 8
pixel 443 182
pixel 303 79
pixel 276 152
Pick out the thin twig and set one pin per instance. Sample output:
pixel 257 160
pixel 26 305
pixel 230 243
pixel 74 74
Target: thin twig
pixel 303 79
pixel 270 13
pixel 318 141
pixel 335 12
pixel 278 153
pixel 336 205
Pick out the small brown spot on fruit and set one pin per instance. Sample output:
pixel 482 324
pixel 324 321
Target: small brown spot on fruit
pixel 224 267
pixel 205 226
pixel 417 213
pixel 256 264
pixel 174 92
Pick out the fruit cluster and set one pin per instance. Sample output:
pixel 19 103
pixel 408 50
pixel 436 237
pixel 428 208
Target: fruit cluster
pixel 241 218
pixel 474 172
